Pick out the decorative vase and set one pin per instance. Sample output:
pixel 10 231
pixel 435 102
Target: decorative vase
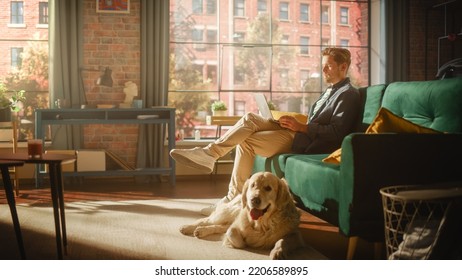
pixel 220 113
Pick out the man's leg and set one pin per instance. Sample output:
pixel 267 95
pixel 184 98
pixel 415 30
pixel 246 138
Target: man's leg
pixel 204 158
pixel 263 143
pixel 248 125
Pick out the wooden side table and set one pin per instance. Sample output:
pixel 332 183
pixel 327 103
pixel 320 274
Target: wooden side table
pixel 221 121
pixel 54 162
pixel 9 193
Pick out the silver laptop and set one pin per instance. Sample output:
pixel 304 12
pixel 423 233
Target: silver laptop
pixel 262 104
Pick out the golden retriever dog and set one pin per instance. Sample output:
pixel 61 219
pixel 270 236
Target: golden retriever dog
pixel 264 216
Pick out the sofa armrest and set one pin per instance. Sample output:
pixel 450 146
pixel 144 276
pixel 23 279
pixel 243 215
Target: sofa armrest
pixel 373 161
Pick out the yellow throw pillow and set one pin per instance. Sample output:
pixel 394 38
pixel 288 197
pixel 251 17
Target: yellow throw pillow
pixel 385 121
pixel 335 157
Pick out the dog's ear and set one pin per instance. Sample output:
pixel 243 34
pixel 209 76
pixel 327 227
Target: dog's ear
pixel 244 193
pixel 283 195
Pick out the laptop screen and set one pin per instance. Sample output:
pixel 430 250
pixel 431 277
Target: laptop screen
pixel 262 104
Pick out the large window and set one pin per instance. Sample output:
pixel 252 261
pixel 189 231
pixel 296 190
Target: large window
pixel 268 46
pixel 24 59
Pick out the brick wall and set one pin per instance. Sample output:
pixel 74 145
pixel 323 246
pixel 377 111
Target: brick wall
pixel 427 24
pixel 111 40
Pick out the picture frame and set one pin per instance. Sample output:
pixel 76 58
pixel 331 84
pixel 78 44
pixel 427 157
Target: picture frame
pixel 113 6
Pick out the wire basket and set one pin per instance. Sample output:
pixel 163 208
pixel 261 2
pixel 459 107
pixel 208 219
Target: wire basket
pixel 414 218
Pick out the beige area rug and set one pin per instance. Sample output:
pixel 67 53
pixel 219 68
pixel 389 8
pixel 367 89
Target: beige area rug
pixel 105 230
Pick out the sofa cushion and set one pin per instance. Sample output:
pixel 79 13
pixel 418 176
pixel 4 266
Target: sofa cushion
pixel 385 122
pixel 314 182
pixel 372 99
pixel 435 104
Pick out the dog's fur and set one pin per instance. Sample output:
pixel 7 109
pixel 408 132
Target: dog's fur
pixel 277 228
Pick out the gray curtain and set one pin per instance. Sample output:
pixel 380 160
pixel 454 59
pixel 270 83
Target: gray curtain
pixel 65 55
pixel 154 78
pixel 396 15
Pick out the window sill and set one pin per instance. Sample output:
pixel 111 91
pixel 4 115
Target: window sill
pixel 17 25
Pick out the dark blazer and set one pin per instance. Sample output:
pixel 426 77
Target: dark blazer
pixel 337 118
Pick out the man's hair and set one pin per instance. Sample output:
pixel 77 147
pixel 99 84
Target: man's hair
pixel 340 55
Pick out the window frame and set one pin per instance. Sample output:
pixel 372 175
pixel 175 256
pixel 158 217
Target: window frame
pixel 15 57
pixel 239 8
pixel 284 10
pixel 43 13
pixel 344 19
pixel 304 13
pixel 16 12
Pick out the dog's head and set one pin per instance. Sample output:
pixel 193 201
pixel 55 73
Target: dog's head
pixel 264 193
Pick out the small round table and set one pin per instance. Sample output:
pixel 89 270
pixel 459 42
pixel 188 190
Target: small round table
pixel 54 162
pixel 9 193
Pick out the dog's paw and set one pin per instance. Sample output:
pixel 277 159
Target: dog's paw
pixel 187 229
pixel 278 252
pixel 201 232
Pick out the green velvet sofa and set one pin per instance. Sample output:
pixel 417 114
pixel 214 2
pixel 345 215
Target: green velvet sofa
pixel 347 194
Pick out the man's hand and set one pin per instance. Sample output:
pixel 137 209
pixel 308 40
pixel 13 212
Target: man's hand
pixel 291 123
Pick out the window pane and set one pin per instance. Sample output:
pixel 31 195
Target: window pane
pixel 304 12
pixel 304 42
pixel 16 59
pixel 239 8
pixel 197 6
pixel 43 12
pixel 343 15
pixel 244 48
pixel 211 7
pixel 245 68
pixel 262 5
pixel 17 12
pixel 193 68
pixel 284 11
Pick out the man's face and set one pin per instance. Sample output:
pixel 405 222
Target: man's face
pixel 333 72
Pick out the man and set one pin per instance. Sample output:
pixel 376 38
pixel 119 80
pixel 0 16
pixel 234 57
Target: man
pixel 331 118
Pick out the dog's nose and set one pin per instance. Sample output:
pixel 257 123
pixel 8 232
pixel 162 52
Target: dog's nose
pixel 255 201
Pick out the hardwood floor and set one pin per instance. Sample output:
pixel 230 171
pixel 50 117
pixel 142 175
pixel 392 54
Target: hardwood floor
pixel 319 234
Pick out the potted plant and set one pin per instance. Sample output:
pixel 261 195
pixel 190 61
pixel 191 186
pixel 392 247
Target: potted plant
pixel 219 108
pixel 10 101
pixel 272 106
